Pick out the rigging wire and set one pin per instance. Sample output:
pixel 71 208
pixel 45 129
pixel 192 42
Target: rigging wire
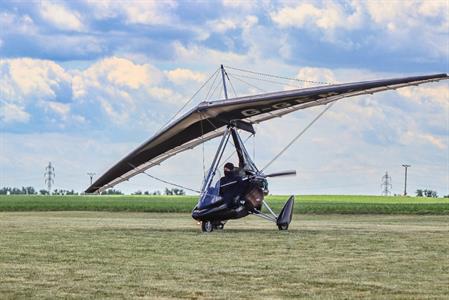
pixel 266 80
pixel 190 100
pixel 232 86
pixel 299 135
pixel 233 152
pixel 215 88
pixel 277 76
pixel 220 94
pixel 165 181
pixel 213 82
pixel 247 83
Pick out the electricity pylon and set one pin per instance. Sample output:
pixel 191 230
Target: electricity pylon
pixel 49 176
pixel 386 184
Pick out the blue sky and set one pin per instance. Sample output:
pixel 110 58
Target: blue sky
pixel 82 83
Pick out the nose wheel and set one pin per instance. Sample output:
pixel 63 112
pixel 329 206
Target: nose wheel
pixel 206 226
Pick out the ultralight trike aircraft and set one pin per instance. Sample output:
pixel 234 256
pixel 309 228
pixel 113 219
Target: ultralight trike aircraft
pixel 209 120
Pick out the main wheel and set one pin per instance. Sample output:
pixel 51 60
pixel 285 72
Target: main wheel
pixel 206 226
pixel 283 227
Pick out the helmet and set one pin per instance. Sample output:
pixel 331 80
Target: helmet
pixel 229 166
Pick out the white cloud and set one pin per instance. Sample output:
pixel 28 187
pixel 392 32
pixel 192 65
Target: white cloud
pixel 152 12
pixel 392 24
pixel 25 80
pixel 223 25
pixel 19 24
pixel 414 137
pixel 114 72
pixel 243 23
pixel 180 76
pixel 118 85
pixel 397 14
pixel 379 120
pixel 207 56
pixel 437 95
pixel 240 4
pixel 165 95
pixel 436 9
pixel 63 109
pixel 11 113
pixel 61 17
pixel 311 76
pixel 438 142
pixel 328 17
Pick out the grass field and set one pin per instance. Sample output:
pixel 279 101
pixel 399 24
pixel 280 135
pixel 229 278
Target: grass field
pixel 146 255
pixel 324 204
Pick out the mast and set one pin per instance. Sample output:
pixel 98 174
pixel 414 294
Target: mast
pixel 224 81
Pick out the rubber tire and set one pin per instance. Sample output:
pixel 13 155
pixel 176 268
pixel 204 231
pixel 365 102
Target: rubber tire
pixel 283 227
pixel 206 226
pixel 219 226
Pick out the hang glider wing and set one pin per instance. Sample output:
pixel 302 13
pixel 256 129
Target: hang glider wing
pixel 209 119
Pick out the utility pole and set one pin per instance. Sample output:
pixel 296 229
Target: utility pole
pixel 405 181
pixel 91 175
pixel 386 184
pixel 49 176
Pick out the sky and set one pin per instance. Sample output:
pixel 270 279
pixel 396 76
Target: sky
pixel 83 83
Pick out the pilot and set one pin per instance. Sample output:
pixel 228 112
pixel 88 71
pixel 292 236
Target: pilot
pixel 230 185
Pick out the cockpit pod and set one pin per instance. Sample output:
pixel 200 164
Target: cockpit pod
pixel 237 194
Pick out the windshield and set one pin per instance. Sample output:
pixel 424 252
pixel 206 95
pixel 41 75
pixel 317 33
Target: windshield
pixel 211 195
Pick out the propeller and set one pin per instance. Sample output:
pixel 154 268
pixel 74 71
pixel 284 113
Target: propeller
pixel 282 173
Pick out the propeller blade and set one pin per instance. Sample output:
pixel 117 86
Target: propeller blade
pixel 282 173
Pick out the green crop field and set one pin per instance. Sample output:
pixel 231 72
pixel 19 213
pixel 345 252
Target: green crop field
pixel 317 204
pixel 86 255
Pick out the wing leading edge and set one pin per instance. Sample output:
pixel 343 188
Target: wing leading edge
pixel 209 119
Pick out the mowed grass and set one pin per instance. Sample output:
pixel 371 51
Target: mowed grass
pixel 316 204
pixel 87 255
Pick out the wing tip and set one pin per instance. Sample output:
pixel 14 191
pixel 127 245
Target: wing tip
pixel 92 190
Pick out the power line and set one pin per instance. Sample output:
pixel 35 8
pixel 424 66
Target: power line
pixel 386 184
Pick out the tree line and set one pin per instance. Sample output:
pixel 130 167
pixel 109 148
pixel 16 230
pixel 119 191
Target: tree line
pixel 29 190
pixel 428 193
